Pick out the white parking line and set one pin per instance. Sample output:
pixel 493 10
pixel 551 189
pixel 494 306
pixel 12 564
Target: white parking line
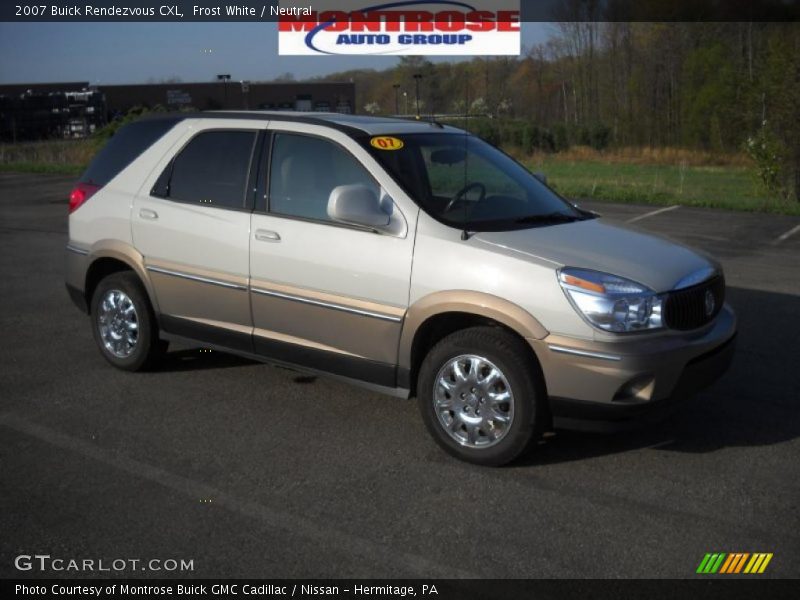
pixel 653 213
pixel 787 235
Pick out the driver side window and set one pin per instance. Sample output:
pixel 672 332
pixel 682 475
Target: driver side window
pixel 447 178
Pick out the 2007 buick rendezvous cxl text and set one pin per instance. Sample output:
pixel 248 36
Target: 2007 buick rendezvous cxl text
pixel 405 256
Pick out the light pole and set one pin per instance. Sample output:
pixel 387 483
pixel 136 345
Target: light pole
pixel 245 94
pixel 405 103
pixel 224 78
pixel 396 87
pixel 417 77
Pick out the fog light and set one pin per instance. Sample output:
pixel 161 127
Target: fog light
pixel 638 389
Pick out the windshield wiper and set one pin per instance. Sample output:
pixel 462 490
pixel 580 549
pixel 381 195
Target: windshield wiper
pixel 553 217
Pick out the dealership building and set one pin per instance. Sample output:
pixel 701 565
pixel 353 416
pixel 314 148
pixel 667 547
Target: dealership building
pixel 75 109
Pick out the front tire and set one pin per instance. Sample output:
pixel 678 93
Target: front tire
pixel 123 323
pixel 479 392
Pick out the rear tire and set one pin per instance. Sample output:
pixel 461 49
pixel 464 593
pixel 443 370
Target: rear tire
pixel 124 324
pixel 480 394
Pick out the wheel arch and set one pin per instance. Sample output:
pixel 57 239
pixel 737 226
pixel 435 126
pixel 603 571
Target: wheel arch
pixel 439 314
pixel 109 257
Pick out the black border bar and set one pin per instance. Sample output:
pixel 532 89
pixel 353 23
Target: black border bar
pixel 702 588
pixel 530 10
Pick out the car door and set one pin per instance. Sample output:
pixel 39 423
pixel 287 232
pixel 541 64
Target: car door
pixel 192 227
pixel 324 294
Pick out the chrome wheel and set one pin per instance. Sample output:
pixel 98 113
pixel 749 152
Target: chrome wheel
pixel 118 323
pixel 473 401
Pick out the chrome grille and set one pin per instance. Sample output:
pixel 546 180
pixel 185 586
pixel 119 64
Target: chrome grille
pixel 688 308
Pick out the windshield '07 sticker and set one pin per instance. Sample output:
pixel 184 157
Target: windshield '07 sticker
pixel 385 142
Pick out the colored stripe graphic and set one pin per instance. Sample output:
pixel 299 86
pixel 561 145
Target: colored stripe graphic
pixel 734 563
pixel 741 562
pixel 765 563
pixel 703 563
pixel 738 563
pixel 718 563
pixel 727 564
pixel 754 562
pixel 711 563
pixel 758 563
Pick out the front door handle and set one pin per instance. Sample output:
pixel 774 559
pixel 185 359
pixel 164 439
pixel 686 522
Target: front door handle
pixel 146 213
pixel 262 235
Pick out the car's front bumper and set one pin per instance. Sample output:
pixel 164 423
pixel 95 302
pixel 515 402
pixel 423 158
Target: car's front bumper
pixel 611 385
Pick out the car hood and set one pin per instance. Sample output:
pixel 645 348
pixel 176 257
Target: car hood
pixel 600 245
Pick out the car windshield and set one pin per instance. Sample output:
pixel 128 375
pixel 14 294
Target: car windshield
pixel 464 182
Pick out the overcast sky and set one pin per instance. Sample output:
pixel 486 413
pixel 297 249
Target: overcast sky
pixel 135 53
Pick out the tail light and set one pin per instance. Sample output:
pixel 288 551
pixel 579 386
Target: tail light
pixel 81 193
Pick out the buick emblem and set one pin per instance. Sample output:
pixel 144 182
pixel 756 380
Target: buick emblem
pixel 710 303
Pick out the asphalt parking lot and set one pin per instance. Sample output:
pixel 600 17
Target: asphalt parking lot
pixel 255 471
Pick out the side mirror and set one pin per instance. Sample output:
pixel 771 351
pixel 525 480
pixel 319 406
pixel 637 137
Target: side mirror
pixel 541 177
pixel 357 204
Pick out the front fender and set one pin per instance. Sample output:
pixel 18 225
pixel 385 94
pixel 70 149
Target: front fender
pixel 470 302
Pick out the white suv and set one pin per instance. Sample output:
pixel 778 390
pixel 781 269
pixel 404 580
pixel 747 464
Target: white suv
pixel 406 256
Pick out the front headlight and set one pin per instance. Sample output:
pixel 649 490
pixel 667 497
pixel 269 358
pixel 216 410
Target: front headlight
pixel 611 303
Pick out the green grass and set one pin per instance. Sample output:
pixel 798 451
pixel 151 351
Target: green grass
pixel 65 157
pixel 34 167
pixel 729 187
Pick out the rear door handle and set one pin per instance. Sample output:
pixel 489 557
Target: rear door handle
pixel 146 213
pixel 262 235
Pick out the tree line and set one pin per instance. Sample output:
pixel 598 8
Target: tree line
pixel 724 87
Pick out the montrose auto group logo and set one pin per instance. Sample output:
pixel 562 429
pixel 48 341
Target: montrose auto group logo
pixel 403 27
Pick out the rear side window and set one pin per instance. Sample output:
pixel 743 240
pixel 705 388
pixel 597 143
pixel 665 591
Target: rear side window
pixel 124 147
pixel 212 169
pixel 304 172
